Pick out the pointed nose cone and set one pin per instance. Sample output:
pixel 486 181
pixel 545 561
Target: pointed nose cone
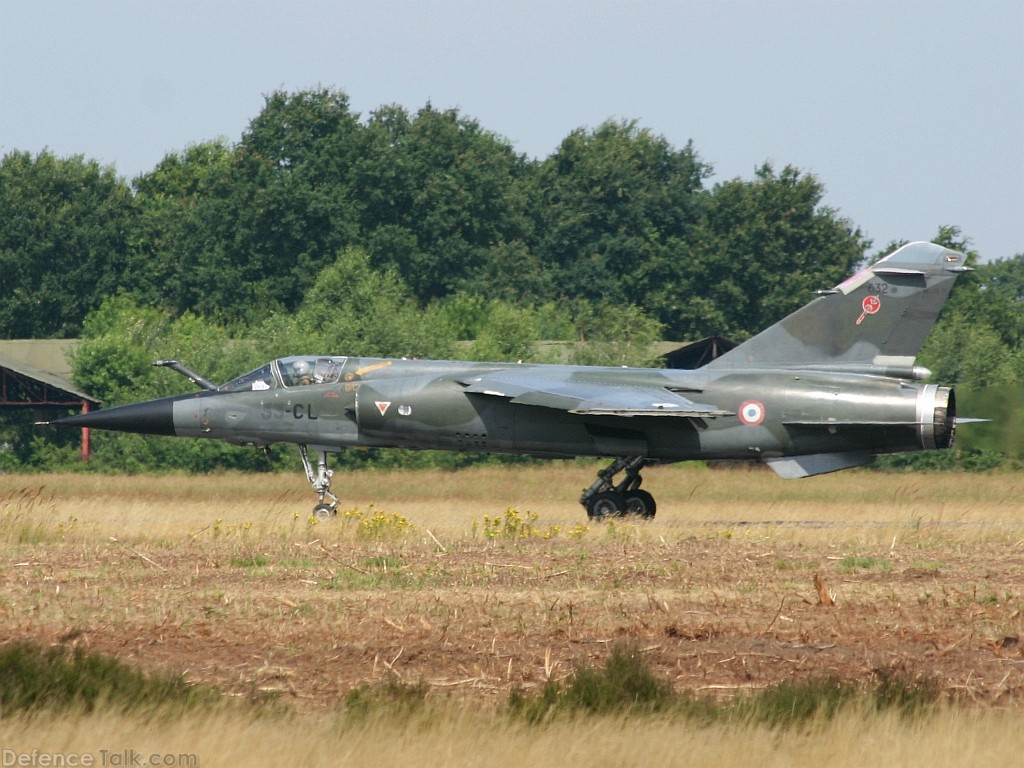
pixel 153 417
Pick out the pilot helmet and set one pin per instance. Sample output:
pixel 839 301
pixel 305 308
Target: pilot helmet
pixel 301 368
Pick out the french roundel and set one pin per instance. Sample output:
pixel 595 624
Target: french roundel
pixel 751 412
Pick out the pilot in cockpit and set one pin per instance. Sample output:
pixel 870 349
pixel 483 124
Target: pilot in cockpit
pixel 302 373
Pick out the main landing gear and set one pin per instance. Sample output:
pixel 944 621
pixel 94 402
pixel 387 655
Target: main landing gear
pixel 606 499
pixel 321 482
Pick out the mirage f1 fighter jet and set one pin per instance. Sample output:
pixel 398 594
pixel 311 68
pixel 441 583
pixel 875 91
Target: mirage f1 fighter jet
pixel 827 388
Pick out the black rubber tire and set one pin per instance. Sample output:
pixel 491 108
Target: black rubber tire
pixel 641 504
pixel 606 504
pixel 324 511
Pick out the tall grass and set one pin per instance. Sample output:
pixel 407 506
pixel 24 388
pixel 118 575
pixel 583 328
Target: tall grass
pixel 471 739
pixel 57 702
pixel 53 679
pixel 877 505
pixel 626 685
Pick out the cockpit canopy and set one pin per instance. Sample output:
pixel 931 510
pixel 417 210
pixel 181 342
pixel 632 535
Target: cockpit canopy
pixel 289 372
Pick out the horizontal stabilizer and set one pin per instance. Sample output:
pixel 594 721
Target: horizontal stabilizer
pixel 792 467
pixel 588 397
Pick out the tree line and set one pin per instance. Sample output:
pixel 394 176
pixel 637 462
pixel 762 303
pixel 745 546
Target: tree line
pixel 616 216
pixel 403 233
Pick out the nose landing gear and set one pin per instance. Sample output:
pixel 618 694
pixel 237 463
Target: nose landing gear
pixel 606 499
pixel 321 482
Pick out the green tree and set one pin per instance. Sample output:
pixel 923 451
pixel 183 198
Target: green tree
pixel 65 225
pixel 609 333
pixel 1002 288
pixel 187 220
pixel 464 314
pixel 961 351
pixel 295 170
pixel 353 309
pixel 507 333
pixel 122 339
pixel 438 201
pixel 612 211
pixel 977 341
pixel 236 232
pixel 762 249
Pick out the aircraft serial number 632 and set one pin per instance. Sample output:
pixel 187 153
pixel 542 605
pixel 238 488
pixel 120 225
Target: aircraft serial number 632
pixel 827 388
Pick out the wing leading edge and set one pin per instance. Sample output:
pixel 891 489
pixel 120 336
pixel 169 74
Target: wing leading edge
pixel 589 397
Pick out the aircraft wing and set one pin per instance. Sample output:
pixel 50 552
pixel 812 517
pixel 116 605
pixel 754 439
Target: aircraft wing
pixel 588 397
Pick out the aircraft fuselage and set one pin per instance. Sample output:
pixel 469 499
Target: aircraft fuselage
pixel 421 404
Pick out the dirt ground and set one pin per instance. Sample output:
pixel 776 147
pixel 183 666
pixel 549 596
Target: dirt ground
pixel 713 614
pixel 226 579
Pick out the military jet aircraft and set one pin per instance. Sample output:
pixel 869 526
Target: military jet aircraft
pixel 827 388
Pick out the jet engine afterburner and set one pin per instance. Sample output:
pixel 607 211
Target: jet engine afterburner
pixel 936 416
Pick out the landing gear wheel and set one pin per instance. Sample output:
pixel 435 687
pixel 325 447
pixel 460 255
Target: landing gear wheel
pixel 606 504
pixel 320 479
pixel 324 511
pixel 606 498
pixel 640 503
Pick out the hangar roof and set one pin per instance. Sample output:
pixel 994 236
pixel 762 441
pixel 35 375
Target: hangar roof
pixel 38 372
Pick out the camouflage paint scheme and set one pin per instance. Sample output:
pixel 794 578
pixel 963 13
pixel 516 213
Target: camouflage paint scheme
pixel 827 388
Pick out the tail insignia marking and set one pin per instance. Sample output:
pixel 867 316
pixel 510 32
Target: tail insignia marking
pixel 870 305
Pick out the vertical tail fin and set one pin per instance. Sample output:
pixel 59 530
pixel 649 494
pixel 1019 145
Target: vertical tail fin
pixel 876 320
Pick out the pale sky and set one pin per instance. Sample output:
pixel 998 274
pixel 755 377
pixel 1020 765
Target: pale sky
pixel 911 113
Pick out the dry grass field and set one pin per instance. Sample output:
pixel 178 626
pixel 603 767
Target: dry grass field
pixel 483 581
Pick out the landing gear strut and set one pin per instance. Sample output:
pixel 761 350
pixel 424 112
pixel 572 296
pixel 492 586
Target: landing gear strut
pixel 321 482
pixel 606 499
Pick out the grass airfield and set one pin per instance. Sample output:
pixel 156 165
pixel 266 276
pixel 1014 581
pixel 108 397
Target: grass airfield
pixel 476 583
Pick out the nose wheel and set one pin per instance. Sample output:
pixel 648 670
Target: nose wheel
pixel 604 498
pixel 320 479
